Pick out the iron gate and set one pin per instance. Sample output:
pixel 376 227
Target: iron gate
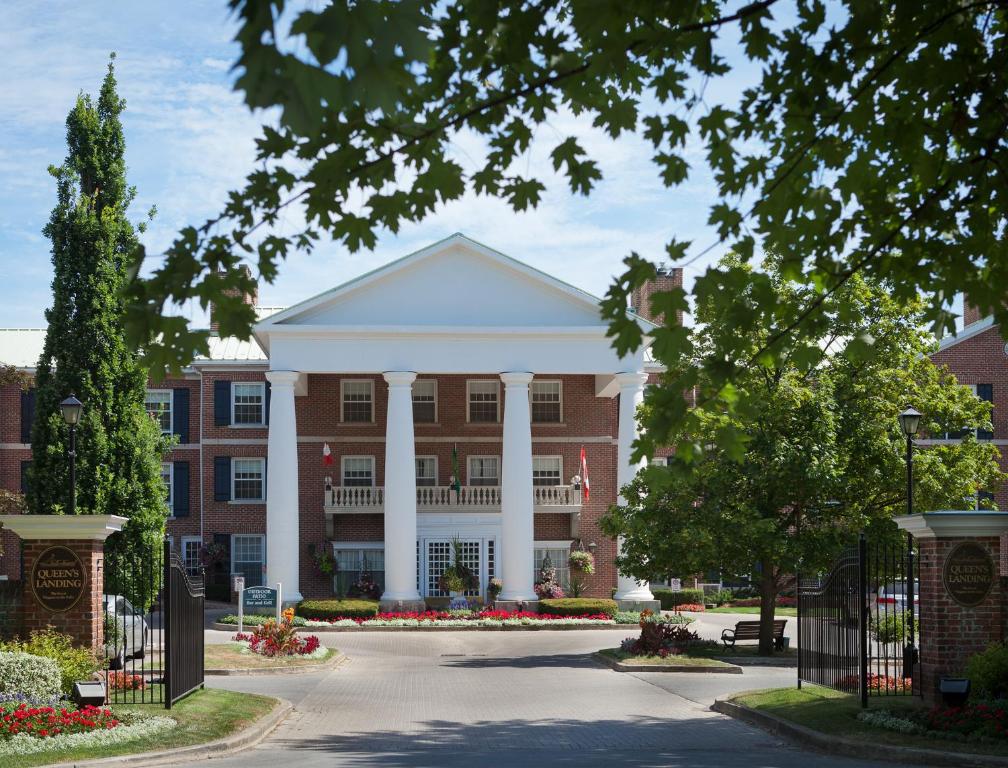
pixel 153 626
pixel 858 624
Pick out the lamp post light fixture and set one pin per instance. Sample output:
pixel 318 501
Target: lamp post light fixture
pixel 909 421
pixel 71 409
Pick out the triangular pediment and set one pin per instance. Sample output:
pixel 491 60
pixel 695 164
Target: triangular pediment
pixel 456 282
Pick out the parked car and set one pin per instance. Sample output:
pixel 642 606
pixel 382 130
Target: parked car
pixel 891 599
pixel 126 631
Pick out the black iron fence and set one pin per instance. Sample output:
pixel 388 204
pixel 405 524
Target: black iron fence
pixel 184 600
pixel 857 624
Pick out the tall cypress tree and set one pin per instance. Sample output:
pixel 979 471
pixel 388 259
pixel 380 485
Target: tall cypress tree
pixel 119 447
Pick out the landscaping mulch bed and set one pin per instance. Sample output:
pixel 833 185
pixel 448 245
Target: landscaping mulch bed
pixel 227 659
pixel 621 661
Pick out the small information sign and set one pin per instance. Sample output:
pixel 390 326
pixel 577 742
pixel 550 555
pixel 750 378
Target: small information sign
pixel 256 599
pixel 676 585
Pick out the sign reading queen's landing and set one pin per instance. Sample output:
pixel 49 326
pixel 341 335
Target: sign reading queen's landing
pixel 57 579
pixel 968 574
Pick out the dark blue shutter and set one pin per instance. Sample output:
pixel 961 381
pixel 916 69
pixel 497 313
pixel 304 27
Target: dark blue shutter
pixel 266 404
pixel 983 496
pixel 985 392
pixel 25 465
pixel 222 403
pixel 27 414
pixel 180 488
pixel 180 413
pixel 222 478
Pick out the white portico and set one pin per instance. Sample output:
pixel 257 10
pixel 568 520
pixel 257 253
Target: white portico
pixel 456 307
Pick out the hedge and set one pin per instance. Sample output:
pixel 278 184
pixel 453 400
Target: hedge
pixel 33 677
pixel 669 599
pixel 577 606
pixel 331 609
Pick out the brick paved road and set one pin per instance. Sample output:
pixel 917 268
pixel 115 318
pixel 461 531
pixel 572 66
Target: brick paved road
pixel 507 699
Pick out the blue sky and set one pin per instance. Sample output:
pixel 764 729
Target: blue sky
pixel 190 140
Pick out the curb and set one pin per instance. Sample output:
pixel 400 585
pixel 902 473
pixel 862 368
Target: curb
pixel 326 666
pixel 759 661
pixel 619 666
pixel 248 737
pixel 568 628
pixel 837 745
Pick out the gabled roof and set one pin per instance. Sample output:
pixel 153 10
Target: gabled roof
pixel 968 332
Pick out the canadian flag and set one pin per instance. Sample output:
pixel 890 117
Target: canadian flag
pixel 584 473
pixel 326 455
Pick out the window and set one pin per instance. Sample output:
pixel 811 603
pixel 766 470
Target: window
pixel 484 470
pixel 358 401
pixel 158 403
pixel 248 479
pixel 248 558
pixel 352 562
pixel 547 470
pixel 484 398
pixel 425 401
pixel 426 470
pixel 358 471
pixel 984 392
pixel 248 403
pixel 559 555
pixel 546 402
pixel 191 546
pixel 166 478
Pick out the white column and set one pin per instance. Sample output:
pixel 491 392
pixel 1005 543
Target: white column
pixel 283 518
pixel 631 395
pixel 517 536
pixel 400 491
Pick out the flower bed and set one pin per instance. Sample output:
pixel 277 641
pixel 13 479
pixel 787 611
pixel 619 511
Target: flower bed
pixel 878 684
pixel 486 618
pixel 279 639
pixel 974 722
pixel 124 681
pixel 690 607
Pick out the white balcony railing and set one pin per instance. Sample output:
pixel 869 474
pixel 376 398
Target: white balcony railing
pixel 437 498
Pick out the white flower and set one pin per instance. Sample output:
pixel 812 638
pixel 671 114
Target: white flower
pixel 132 726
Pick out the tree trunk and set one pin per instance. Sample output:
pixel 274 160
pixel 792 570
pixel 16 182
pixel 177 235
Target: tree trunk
pixel 768 600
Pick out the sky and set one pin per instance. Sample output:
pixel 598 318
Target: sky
pixel 190 140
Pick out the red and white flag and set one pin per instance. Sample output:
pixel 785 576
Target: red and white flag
pixel 584 473
pixel 326 455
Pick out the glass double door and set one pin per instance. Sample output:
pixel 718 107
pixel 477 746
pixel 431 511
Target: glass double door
pixel 435 555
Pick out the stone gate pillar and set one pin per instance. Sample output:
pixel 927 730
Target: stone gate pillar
pixel 62 573
pixel 961 596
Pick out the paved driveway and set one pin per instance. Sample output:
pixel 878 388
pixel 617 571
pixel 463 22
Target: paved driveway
pixel 507 699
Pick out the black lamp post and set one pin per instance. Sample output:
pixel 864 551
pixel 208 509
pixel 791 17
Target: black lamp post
pixel 71 409
pixel 909 422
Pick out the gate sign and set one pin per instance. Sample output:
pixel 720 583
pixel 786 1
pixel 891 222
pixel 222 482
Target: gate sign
pixel 57 579
pixel 257 598
pixel 968 574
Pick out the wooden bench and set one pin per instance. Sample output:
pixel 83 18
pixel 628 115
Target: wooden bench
pixel 749 630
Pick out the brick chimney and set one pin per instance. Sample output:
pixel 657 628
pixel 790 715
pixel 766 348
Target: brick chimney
pixel 970 313
pixel 667 279
pixel 252 298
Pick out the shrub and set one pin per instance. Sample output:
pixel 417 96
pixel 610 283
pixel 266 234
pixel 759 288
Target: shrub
pixel 670 599
pixel 988 672
pixel 659 637
pixel 722 596
pixel 577 606
pixel 35 677
pixel 893 628
pixel 332 609
pixel 75 663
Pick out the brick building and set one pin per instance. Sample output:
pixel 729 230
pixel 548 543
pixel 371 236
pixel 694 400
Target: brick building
pixel 341 423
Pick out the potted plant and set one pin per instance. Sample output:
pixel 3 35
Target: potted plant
pixel 547 585
pixel 581 560
pixel 493 589
pixel 322 557
pixel 457 577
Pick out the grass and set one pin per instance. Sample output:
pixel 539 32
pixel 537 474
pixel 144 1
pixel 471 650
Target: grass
pixel 753 609
pixel 204 716
pixel 229 656
pixel 655 661
pixel 743 650
pixel 835 713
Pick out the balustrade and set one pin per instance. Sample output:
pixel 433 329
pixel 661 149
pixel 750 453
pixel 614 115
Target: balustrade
pixel 472 498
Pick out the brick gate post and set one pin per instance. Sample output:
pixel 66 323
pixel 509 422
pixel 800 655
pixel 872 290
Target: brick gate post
pixel 961 597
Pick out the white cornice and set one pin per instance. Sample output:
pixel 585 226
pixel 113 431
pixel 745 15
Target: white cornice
pixel 971 330
pixel 948 523
pixel 93 527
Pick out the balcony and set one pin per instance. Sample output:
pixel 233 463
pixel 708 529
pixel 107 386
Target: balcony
pixel 444 498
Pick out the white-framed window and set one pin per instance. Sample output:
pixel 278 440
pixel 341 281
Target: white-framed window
pixel 353 559
pixel 158 403
pixel 248 479
pixel 483 470
pixel 547 470
pixel 425 401
pixel 547 401
pixel 248 402
pixel 248 557
pixel 357 401
pixel 426 470
pixel 357 471
pixel 169 482
pixel 483 402
pixel 559 555
pixel 191 546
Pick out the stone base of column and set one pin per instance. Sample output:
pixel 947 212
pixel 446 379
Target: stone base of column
pixel 516 605
pixel 402 606
pixel 639 605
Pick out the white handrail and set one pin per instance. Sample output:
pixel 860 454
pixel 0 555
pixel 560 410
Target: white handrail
pixel 474 497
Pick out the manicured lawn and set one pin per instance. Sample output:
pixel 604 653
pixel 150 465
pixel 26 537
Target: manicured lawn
pixel 229 656
pixel 753 609
pixel 835 713
pixel 655 661
pixel 204 716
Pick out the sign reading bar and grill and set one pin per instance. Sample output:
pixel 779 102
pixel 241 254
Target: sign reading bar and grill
pixel 968 574
pixel 258 598
pixel 58 579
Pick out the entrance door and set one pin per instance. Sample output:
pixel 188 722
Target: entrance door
pixel 436 556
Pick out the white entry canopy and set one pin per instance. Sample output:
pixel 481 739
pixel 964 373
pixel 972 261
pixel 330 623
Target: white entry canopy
pixel 454 307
